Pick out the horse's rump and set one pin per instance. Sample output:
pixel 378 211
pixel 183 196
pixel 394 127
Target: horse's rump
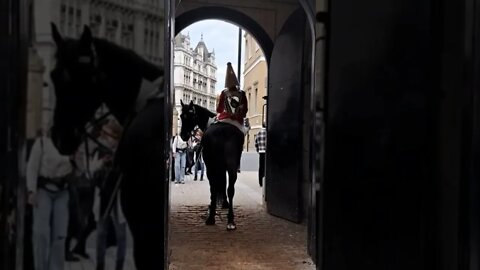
pixel 222 146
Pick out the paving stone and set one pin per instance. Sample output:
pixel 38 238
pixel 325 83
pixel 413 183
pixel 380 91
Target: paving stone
pixel 261 241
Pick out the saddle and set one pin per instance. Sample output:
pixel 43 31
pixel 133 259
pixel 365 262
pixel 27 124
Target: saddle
pixel 240 127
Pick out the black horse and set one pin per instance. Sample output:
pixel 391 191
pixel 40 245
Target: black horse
pixel 90 72
pixel 222 146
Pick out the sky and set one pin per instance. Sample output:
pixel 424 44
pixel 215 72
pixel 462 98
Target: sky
pixel 223 38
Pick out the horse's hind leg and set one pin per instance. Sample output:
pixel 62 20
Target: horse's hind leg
pixel 225 204
pixel 213 198
pixel 223 181
pixel 232 178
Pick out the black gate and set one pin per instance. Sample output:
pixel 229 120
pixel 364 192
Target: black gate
pixel 284 172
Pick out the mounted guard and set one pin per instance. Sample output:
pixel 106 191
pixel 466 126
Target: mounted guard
pixel 222 143
pixel 232 106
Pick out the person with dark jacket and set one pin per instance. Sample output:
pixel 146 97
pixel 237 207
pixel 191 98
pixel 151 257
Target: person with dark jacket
pixel 261 147
pixel 110 136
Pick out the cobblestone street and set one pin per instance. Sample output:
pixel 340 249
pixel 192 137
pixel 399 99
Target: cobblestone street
pixel 261 241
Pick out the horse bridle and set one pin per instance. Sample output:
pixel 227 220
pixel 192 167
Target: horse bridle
pixel 98 78
pixel 89 136
pixel 210 121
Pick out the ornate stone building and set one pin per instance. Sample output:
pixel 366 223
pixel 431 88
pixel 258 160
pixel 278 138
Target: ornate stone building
pixel 194 75
pixel 134 24
pixel 255 85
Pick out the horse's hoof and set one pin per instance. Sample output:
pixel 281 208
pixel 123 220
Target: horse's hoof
pixel 231 226
pixel 210 221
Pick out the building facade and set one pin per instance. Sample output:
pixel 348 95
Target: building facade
pixel 194 76
pixel 255 85
pixel 133 24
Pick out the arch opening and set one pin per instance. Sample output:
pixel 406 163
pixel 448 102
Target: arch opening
pixel 257 31
pixel 228 15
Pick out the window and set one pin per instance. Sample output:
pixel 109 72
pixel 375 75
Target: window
pixel 78 22
pixel 255 101
pixel 70 19
pixel 146 41
pixel 249 49
pixel 249 101
pixel 63 16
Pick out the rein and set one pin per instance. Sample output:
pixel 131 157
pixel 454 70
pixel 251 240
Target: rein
pixel 116 169
pixel 210 121
pixel 143 96
pixel 90 136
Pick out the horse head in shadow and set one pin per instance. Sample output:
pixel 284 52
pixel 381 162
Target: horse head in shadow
pixel 90 72
pixel 77 97
pixel 222 145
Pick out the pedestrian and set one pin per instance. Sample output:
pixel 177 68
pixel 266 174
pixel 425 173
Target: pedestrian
pixel 47 178
pixel 198 154
pixel 179 149
pixel 172 165
pixel 110 136
pixel 82 196
pixel 261 147
pixel 190 162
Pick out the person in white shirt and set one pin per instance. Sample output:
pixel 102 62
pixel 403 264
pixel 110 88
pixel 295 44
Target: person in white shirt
pixel 47 185
pixel 179 148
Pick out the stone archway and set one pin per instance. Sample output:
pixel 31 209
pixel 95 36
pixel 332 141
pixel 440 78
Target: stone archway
pixel 266 30
pixel 230 15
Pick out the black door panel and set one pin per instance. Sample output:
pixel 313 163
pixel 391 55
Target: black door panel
pixel 285 111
